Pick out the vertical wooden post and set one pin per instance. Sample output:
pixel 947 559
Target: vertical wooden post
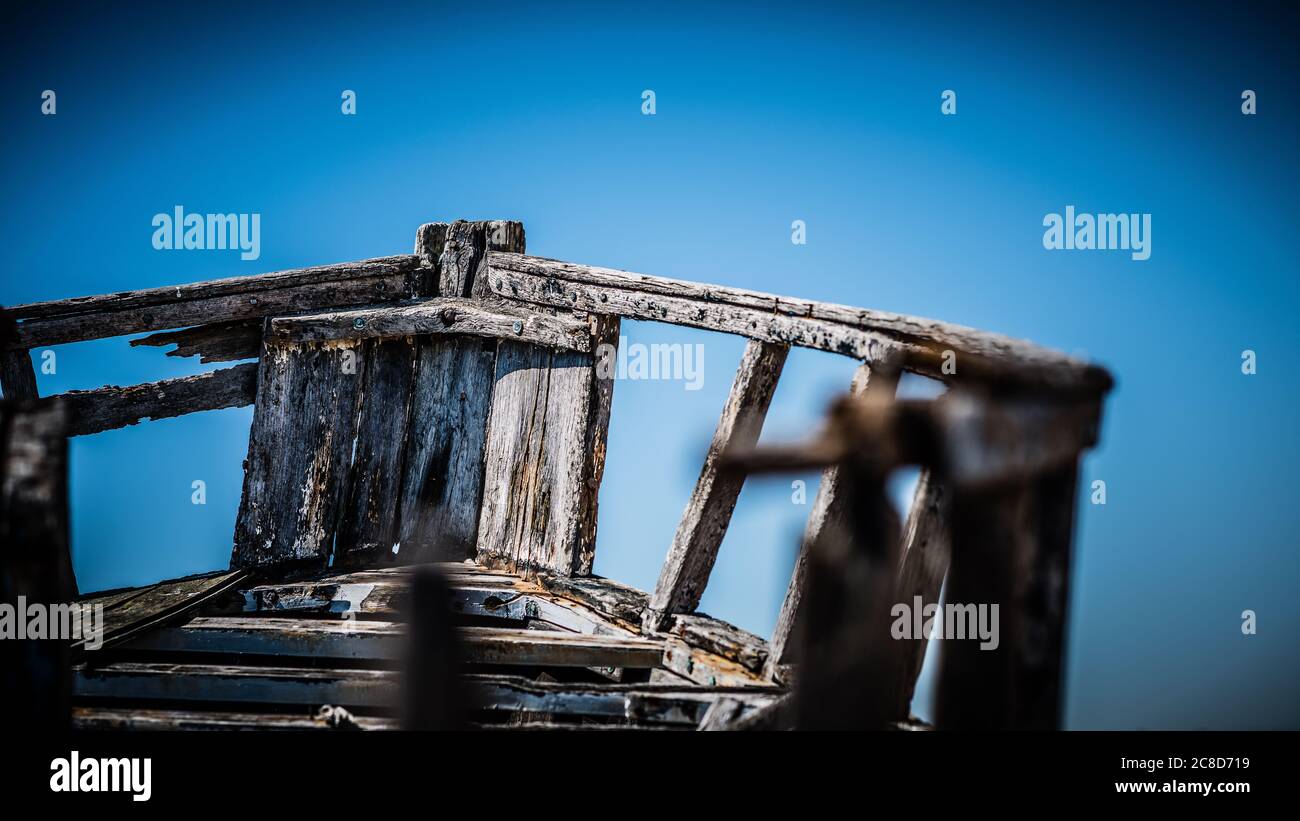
pixel 694 549
pixel 848 662
pixel 35 561
pixel 827 514
pixel 17 378
pixel 926 553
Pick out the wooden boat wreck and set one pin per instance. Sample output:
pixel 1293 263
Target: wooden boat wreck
pixel 441 416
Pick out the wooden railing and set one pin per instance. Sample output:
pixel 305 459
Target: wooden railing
pixel 1010 400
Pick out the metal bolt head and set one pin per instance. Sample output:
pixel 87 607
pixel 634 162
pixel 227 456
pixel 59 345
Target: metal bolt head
pixel 358 323
pixel 519 327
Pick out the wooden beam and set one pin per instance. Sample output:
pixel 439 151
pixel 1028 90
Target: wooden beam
pixel 307 396
pixel 545 457
pixel 827 511
pixel 361 639
pixel 217 342
pixel 114 407
pixel 35 560
pixel 134 718
pixel 704 523
pixel 17 376
pixel 722 639
pixel 788 320
pixel 927 549
pixel 437 316
pixel 286 292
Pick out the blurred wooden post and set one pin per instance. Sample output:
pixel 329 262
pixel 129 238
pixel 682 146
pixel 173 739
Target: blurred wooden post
pixel 827 514
pixel 35 562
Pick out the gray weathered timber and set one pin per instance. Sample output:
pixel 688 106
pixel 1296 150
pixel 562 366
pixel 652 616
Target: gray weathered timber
pixel 112 407
pixel 287 292
pixel 752 323
pixel 695 546
pixel 721 639
pixel 17 377
pixel 988 355
pixel 371 510
pixel 299 450
pixel 163 603
pixel 429 241
pixel 464 254
pixel 827 510
pixel 237 684
pixel 545 457
pixel 650 703
pixel 111 718
pixel 442 476
pixel 217 342
pixel 706 668
pixel 926 551
pixel 384 641
pixel 606 596
pixel 437 316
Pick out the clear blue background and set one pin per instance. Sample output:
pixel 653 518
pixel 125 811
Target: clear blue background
pixel 827 114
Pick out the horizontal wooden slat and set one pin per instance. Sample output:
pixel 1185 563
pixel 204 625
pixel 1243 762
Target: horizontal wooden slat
pixel 170 294
pixel 788 320
pixel 721 639
pixel 648 703
pixel 115 407
pixel 110 718
pixel 377 640
pixel 237 684
pixel 436 316
pixel 288 292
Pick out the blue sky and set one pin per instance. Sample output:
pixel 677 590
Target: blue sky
pixel 829 114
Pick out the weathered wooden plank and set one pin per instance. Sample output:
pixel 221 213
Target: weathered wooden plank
pixel 649 703
pixel 706 668
pixel 359 688
pixel 437 316
pixel 17 377
pixel 381 640
pixel 114 407
pixel 442 479
pixel 162 603
pixel 371 507
pixel 545 457
pixel 546 281
pixel 721 639
pixel 236 684
pixel 299 449
pixel 289 292
pixel 926 552
pixel 35 560
pixel 606 596
pixel 827 511
pixel 217 342
pixel 117 718
pixel 704 523
pixel 252 284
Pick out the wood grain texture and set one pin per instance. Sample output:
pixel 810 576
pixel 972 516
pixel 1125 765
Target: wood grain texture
pixel 442 475
pixel 827 511
pixel 985 355
pixel 113 407
pixel 385 641
pixel 17 376
pixel 285 292
pixel 437 316
pixel 703 525
pixel 299 450
pixel 218 342
pixel 545 458
pixel 371 509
